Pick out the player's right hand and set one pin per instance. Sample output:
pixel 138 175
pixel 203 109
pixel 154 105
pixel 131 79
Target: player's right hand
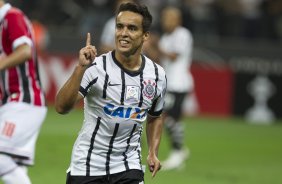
pixel 88 53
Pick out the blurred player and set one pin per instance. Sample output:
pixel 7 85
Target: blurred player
pixel 22 109
pixel 121 90
pixel 175 48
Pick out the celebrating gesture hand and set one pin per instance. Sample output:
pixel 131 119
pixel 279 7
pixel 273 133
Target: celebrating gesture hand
pixel 88 53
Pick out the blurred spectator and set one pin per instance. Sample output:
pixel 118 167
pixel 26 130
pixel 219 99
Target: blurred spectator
pixel 155 7
pixel 272 16
pixel 206 19
pixel 41 35
pixel 95 14
pixel 228 19
pixel 251 17
pixel 199 16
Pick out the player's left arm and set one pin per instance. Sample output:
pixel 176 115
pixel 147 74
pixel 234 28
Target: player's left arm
pixel 171 55
pixel 154 126
pixel 154 131
pixel 21 54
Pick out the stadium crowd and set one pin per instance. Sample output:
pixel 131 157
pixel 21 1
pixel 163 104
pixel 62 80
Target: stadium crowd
pixel 246 19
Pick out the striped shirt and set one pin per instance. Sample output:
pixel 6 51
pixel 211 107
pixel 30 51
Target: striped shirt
pixel 20 83
pixel 116 103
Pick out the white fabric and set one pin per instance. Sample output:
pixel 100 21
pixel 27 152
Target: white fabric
pixel 7 164
pixel 178 74
pixel 19 127
pixel 22 40
pixel 17 176
pixel 4 9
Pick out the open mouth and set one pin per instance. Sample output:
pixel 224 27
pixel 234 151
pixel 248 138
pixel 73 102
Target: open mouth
pixel 124 43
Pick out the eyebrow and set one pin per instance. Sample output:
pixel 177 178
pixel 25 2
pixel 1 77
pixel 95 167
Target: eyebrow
pixel 127 25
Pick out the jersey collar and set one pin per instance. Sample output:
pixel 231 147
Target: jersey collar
pixel 129 72
pixel 3 10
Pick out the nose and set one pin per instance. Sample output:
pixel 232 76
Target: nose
pixel 124 31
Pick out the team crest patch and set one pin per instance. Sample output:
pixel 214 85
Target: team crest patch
pixel 149 89
pixel 132 93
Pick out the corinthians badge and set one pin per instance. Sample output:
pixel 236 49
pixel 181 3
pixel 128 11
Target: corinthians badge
pixel 149 88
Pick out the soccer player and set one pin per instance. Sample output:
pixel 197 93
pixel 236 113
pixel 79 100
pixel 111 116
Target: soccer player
pixel 175 56
pixel 22 105
pixel 121 89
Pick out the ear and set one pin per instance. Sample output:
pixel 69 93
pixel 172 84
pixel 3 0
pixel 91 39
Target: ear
pixel 146 36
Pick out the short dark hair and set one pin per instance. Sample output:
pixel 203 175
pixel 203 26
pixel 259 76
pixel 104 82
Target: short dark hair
pixel 140 9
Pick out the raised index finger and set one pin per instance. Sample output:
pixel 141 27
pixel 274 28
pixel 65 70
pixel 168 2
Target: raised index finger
pixel 88 39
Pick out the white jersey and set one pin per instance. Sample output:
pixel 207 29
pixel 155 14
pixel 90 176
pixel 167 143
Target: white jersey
pixel 180 41
pixel 116 104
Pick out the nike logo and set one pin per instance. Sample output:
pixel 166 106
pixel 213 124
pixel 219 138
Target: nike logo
pixel 110 84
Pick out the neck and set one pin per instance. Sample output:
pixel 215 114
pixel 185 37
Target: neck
pixel 131 62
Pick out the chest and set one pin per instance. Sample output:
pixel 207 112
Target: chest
pixel 123 90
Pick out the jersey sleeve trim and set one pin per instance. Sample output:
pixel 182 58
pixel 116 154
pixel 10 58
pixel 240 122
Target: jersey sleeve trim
pixel 22 40
pixel 82 91
pixel 85 91
pixel 155 114
pixel 151 110
pixel 4 10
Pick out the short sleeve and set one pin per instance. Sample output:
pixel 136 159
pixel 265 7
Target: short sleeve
pixel 158 103
pixel 19 30
pixel 88 80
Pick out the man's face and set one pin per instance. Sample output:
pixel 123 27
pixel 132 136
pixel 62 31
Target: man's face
pixel 129 35
pixel 170 20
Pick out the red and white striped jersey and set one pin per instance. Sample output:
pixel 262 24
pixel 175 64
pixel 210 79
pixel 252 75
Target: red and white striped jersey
pixel 20 83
